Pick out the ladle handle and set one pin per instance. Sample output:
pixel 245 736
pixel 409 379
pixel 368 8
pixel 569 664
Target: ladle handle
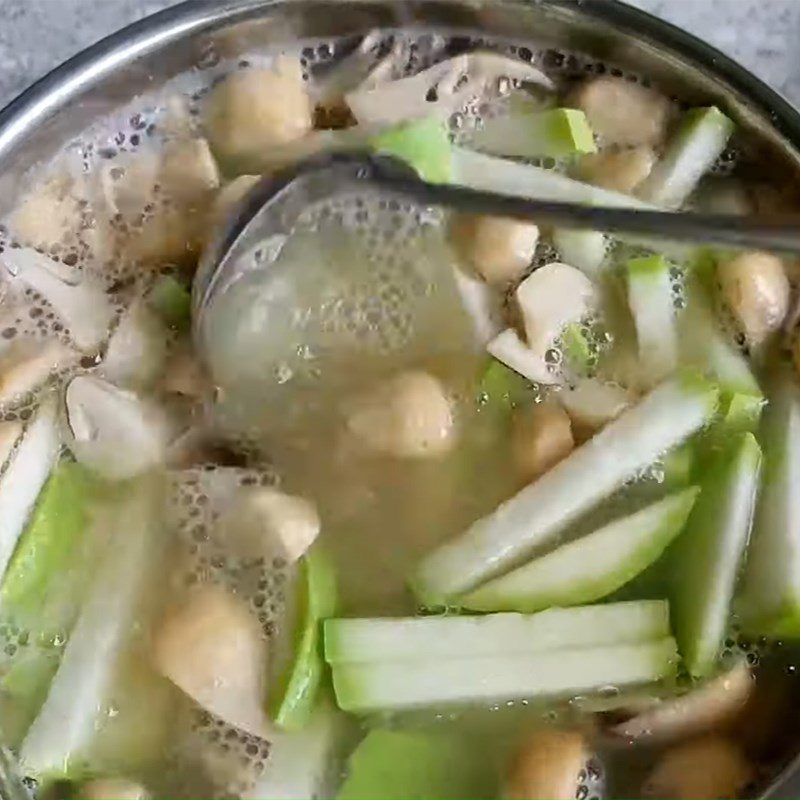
pixel 779 234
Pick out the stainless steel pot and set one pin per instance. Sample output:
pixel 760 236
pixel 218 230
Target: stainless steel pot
pixel 146 54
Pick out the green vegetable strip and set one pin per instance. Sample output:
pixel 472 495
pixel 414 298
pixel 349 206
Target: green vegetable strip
pixel 508 536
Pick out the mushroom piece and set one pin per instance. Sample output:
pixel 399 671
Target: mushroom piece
pixel 81 302
pixel 541 437
pixel 709 768
pixel 112 789
pixel 547 767
pixel 212 648
pixel 188 172
pixel 551 298
pixel 709 706
pixel 162 199
pixel 114 432
pixel 54 212
pixel 499 249
pixel 756 290
pixel 508 348
pixel 591 404
pixel 438 90
pixel 254 109
pixel 27 364
pixel 620 170
pixel 623 113
pixel 407 416
pixel 262 522
pixel 483 304
pixel 137 349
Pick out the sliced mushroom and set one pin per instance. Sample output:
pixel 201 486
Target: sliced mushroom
pixel 547 767
pixel 509 349
pixel 255 109
pixel 550 299
pixel 709 768
pixel 483 304
pixel 75 296
pixel 756 290
pixel 438 90
pixel 360 69
pixel 541 437
pixel 591 404
pixel 161 199
pixel 623 113
pixel 708 707
pixel 114 432
pixel 499 249
pixel 9 436
pixel 137 349
pixel 408 416
pixel 262 522
pixel 211 647
pixel 621 170
pixel 112 789
pixel 27 364
pixel 53 213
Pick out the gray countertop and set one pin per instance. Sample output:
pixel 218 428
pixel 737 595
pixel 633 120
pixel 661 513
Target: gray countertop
pixel 35 35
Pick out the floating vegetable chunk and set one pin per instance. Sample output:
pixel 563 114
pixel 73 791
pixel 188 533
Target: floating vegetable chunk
pixel 450 637
pixel 262 522
pixel 113 789
pixel 114 432
pixel 708 556
pixel 409 416
pixel 710 768
pixel 768 602
pixel 547 767
pixel 706 707
pixel 541 437
pixel 663 419
pixel 71 714
pixel 623 113
pixel 591 567
pixel 211 647
pixel 254 109
pixel 24 475
pixel 497 248
pixel 408 765
pixel 392 685
pixel 756 290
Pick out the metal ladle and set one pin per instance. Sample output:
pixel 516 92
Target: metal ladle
pixel 277 201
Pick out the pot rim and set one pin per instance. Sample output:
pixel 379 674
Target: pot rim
pixel 67 81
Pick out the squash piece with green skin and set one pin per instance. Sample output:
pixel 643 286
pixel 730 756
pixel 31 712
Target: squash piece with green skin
pixel 768 603
pixel 536 515
pixel 705 560
pixel 555 133
pixel 41 591
pixel 294 694
pixel 590 567
pixel 650 300
pixel 422 144
pixel 699 141
pixel 413 765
